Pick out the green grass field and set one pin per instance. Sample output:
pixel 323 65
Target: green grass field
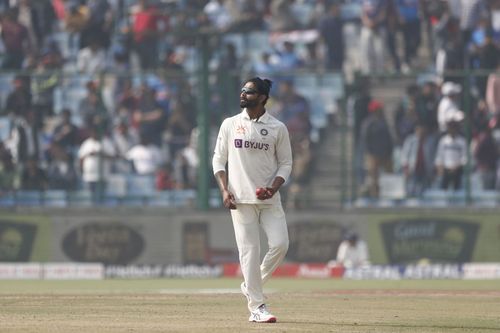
pixel 215 305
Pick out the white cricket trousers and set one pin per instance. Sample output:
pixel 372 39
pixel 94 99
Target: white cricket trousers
pixel 247 221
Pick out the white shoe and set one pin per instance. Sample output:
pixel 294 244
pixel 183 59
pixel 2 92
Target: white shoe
pixel 262 315
pixel 244 291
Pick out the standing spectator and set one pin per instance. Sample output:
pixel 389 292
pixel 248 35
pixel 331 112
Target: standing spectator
pixel 66 134
pixel 448 106
pixel 149 117
pixel 486 53
pixel 377 141
pixel 493 91
pixel 373 35
pixel 16 40
pixel 145 157
pixel 91 108
pixel 409 16
pixel 393 23
pixel 96 154
pixel 406 116
pixel 427 104
pixel 9 173
pixel 45 81
pixel 19 100
pixel 147 25
pixel 99 24
pixel 124 137
pixel 417 160
pixel 75 20
pixel 178 130
pixel 486 153
pixel 283 18
pixel 451 156
pixel 28 16
pixel 471 12
pixel 330 28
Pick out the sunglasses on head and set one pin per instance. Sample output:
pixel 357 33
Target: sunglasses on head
pixel 248 91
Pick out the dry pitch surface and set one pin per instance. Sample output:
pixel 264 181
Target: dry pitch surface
pixel 216 306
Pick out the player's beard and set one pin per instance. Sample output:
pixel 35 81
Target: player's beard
pixel 245 103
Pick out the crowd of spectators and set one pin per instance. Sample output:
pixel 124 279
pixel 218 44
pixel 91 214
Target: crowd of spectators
pixel 446 121
pixel 134 62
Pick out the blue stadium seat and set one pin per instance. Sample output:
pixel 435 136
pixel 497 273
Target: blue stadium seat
pixel 28 198
pixel 55 198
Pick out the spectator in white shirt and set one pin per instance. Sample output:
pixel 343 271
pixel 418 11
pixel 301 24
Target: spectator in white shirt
pixel 451 157
pixel 352 252
pixel 91 59
pixel 448 106
pixel 146 158
pixel 95 155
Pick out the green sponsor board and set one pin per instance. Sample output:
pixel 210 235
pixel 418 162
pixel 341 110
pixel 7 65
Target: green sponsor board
pixel 462 236
pixel 24 238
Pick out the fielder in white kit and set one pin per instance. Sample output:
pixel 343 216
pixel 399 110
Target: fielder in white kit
pixel 256 148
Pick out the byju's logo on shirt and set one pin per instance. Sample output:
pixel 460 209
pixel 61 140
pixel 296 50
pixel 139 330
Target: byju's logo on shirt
pixel 239 143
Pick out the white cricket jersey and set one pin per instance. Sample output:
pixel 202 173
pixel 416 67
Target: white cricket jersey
pixel 256 152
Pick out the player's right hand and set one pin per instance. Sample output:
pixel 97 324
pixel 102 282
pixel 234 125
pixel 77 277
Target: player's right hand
pixel 228 200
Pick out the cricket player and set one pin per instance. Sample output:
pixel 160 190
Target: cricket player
pixel 256 148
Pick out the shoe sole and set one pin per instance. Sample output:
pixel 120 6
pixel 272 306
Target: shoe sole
pixel 270 320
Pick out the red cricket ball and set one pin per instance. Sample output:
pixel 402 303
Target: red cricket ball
pixel 260 191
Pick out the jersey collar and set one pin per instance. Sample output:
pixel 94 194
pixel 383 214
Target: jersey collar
pixel 263 119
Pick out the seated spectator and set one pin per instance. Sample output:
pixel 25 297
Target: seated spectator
pixel 145 157
pixel 451 156
pixel 91 59
pixel 288 59
pixel 352 252
pixel 165 179
pixel 33 178
pixel 61 171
